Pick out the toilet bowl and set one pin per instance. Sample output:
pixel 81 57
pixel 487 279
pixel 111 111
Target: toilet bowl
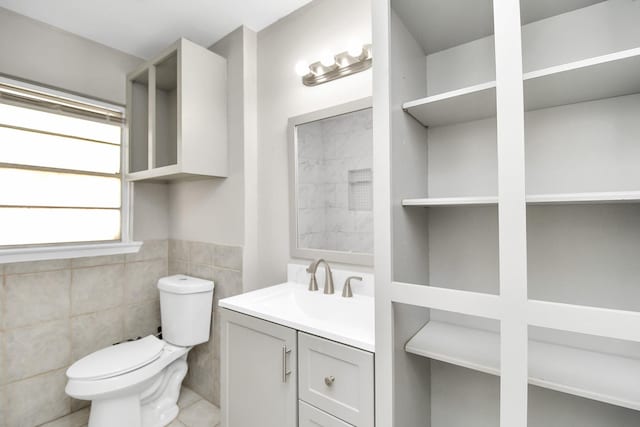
pixel 137 383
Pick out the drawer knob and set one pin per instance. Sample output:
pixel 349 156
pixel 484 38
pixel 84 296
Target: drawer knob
pixel 329 380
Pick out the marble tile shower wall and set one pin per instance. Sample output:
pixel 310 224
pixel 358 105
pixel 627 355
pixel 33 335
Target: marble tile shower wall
pixel 54 312
pixel 327 151
pixel 223 265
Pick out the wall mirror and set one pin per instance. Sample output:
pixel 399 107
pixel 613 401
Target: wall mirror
pixel 331 184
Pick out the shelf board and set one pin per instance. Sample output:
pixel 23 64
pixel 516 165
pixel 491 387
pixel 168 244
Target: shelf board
pixel 165 174
pixel 601 77
pixel 598 376
pixel 584 198
pixel 451 201
pixel 458 106
pixel 532 199
pixel 470 348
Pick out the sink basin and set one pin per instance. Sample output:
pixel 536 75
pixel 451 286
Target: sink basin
pixel 346 320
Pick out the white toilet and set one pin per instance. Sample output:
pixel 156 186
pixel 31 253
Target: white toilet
pixel 137 383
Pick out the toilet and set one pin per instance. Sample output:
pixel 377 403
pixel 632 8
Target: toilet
pixel 137 383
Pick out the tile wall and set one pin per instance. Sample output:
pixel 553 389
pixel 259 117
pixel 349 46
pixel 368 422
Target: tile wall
pixel 223 265
pixel 55 312
pixel 329 152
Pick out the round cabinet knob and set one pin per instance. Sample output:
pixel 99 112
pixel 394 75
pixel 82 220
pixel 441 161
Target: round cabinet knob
pixel 329 380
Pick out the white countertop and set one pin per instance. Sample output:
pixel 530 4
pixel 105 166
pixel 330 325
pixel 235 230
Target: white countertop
pixel 346 320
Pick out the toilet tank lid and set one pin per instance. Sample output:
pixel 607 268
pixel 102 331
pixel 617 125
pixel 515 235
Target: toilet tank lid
pixel 182 284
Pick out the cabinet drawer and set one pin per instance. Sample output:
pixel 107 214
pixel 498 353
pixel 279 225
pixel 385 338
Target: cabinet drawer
pixel 314 417
pixel 336 378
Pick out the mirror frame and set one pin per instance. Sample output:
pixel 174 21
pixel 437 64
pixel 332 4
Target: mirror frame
pixel 306 253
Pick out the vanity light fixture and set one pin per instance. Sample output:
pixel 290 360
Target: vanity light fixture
pixel 354 60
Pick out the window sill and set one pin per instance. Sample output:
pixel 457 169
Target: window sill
pixel 71 251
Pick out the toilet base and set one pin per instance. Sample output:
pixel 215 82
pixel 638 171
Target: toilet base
pixel 156 406
pixel 122 411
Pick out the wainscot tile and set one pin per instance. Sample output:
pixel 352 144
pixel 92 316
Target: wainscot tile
pixel 96 288
pixel 141 283
pixel 37 297
pixel 228 257
pixel 201 253
pixel 37 349
pixel 141 319
pixel 76 419
pixel 151 249
pixel 228 283
pixel 92 332
pixel 201 271
pixel 200 374
pixel 36 266
pixel 178 267
pixel 93 261
pixel 178 250
pixel 37 400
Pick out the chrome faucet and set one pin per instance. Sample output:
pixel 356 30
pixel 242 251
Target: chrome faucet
pixel 328 277
pixel 346 289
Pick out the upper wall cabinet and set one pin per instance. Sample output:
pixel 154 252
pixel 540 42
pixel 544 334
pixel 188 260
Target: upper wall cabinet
pixel 177 110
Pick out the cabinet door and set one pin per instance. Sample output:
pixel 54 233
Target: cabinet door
pixel 314 417
pixel 258 372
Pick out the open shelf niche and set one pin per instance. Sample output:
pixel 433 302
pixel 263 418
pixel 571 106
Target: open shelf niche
pixel 450 246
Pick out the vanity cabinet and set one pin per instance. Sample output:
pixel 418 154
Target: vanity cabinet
pixel 291 378
pixel 258 372
pixel 177 115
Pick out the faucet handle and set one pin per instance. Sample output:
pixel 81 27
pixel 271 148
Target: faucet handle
pixel 346 289
pixel 313 283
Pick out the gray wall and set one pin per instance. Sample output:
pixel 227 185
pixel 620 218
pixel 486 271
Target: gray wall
pixel 35 51
pixel 54 312
pixel 305 34
pixel 224 211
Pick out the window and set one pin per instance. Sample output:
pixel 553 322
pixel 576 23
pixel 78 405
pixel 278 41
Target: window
pixel 60 169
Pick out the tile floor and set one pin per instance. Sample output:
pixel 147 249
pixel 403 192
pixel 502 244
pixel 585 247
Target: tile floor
pixel 194 412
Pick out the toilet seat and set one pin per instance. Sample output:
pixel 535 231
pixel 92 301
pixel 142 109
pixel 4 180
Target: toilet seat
pixel 117 360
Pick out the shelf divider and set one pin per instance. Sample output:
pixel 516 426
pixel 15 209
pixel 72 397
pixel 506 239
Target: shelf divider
pixel 593 375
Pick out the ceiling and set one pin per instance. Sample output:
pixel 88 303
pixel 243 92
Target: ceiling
pixel 442 24
pixel 144 27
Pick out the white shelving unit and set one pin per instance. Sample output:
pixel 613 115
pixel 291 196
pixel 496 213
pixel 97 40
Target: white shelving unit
pixel 594 375
pixel 524 136
pixel 605 76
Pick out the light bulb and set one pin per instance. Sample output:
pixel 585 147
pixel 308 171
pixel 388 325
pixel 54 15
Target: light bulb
pixel 302 68
pixel 327 59
pixel 354 48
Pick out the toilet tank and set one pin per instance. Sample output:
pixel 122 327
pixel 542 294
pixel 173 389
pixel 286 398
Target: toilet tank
pixel 185 306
